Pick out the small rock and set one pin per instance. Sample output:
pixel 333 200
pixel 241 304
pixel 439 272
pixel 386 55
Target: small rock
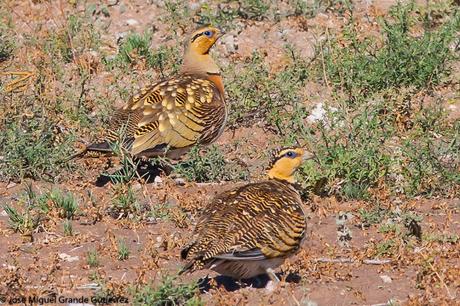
pixel 10 185
pixel 158 180
pixel 9 267
pixel 68 258
pixel 194 6
pixel 308 302
pixel 229 43
pixel 136 186
pixel 3 213
pixel 386 279
pixel 179 181
pixel 132 22
pixel 159 242
pixel 317 113
pixel 271 286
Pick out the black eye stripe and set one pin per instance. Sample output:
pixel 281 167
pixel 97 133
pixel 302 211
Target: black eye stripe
pixel 196 36
pixel 276 156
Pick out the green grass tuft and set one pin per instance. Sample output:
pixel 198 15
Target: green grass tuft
pixel 68 229
pixel 123 250
pixel 66 203
pixel 92 258
pixel 32 150
pixel 402 59
pixel 168 293
pixel 209 166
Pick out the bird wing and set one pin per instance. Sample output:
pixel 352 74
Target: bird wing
pixel 256 221
pixel 252 254
pixel 175 113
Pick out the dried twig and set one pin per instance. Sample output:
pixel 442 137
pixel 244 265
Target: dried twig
pixel 19 83
pixel 92 286
pixel 441 279
pixel 349 260
pixel 334 260
pixel 377 261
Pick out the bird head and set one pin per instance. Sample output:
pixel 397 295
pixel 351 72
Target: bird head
pixel 202 40
pixel 286 161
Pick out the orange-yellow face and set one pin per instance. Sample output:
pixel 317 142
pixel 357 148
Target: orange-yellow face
pixel 286 163
pixel 203 39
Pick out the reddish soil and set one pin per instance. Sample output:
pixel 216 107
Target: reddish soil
pixel 405 270
pixel 46 264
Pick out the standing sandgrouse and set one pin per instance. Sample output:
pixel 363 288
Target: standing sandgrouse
pixel 171 116
pixel 252 229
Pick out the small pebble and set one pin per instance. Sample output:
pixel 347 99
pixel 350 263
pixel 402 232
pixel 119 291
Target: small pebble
pixel 67 257
pixel 386 279
pixel 132 22
pixel 180 181
pixel 136 186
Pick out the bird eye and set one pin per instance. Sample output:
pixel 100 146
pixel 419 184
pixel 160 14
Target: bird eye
pixel 291 154
pixel 208 33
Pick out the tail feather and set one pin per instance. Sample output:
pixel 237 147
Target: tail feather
pixel 76 155
pixel 99 147
pixel 188 267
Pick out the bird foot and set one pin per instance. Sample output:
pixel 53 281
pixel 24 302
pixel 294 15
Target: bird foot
pixel 271 286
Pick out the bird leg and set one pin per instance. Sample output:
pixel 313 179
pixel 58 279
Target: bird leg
pixel 274 280
pixel 272 275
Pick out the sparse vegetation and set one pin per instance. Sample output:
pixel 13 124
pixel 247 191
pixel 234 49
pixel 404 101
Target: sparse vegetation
pixel 66 203
pixel 209 166
pixel 377 136
pixel 253 9
pixel 370 217
pixel 124 202
pixel 168 293
pixel 376 99
pixel 255 94
pixel 24 222
pixel 138 47
pixel 68 228
pixel 6 43
pixel 123 250
pixel 32 150
pixel 92 258
pixel 400 60
pixel 31 209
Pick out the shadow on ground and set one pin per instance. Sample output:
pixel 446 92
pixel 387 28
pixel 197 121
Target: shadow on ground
pixel 231 284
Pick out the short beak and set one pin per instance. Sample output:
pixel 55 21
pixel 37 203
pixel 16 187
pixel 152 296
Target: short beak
pixel 308 155
pixel 221 33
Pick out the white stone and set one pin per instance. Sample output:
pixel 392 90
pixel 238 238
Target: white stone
pixel 68 258
pixel 132 22
pixel 386 279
